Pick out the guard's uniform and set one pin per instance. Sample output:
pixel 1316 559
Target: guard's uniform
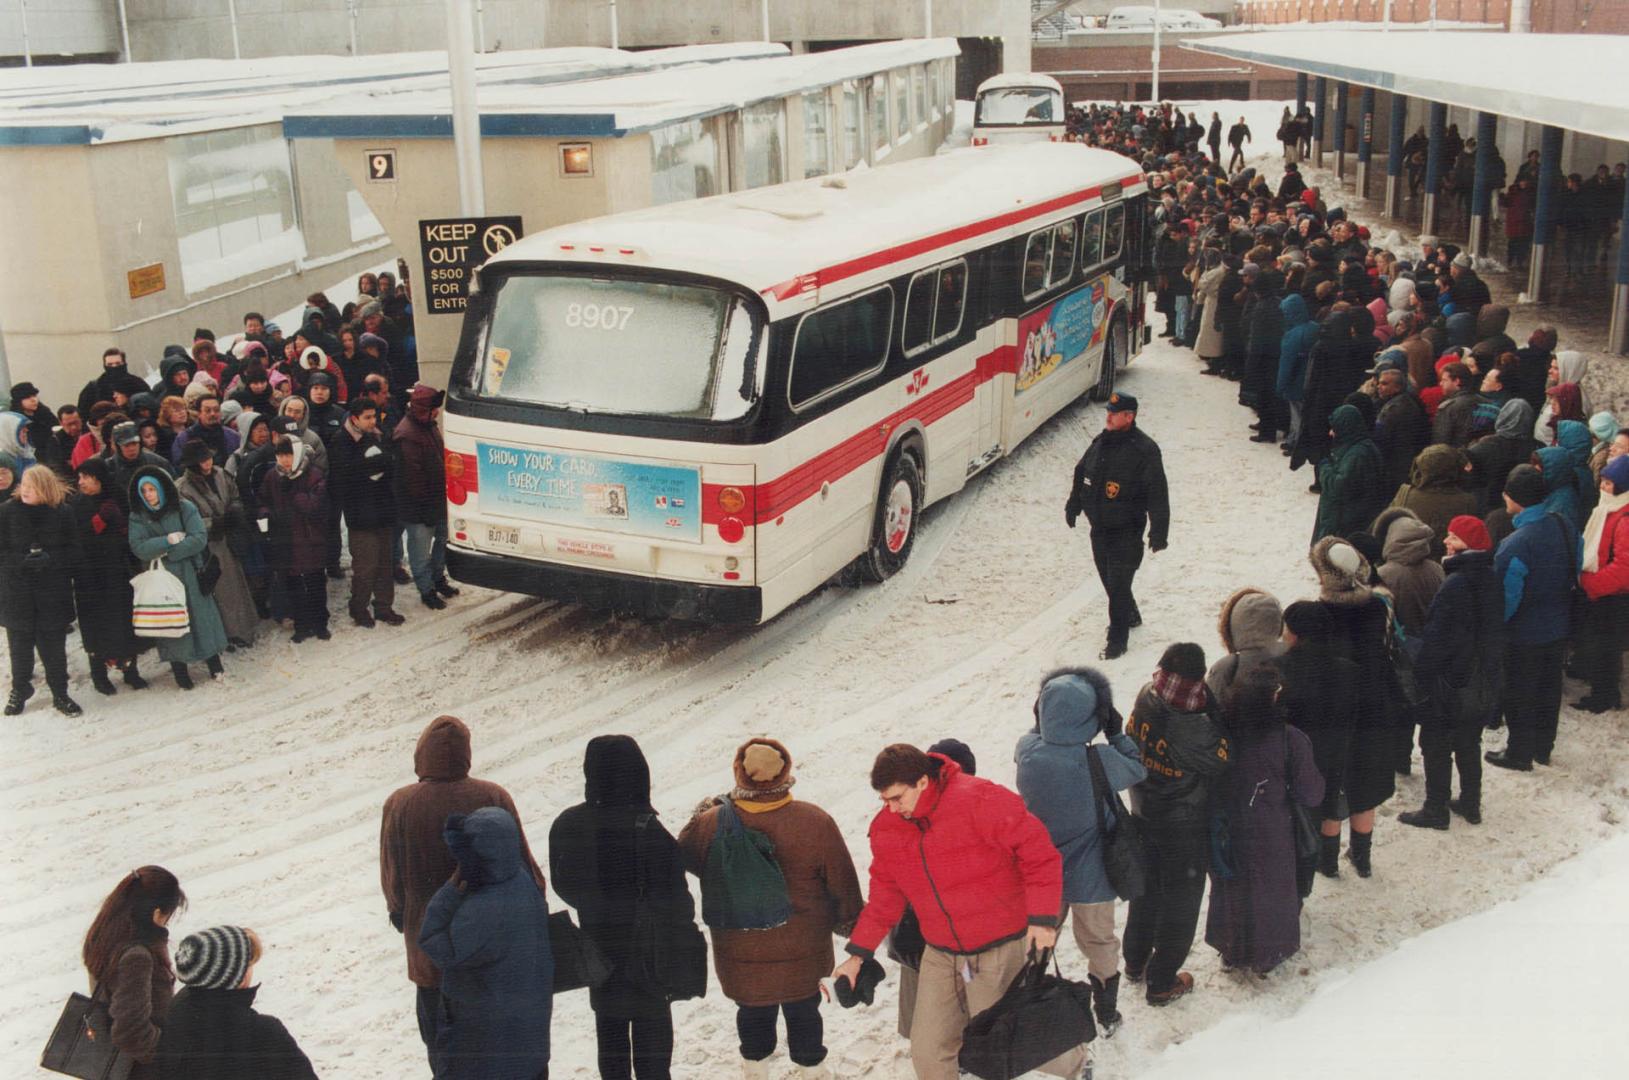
pixel 1120 486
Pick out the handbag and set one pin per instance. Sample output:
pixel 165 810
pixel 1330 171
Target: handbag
pixel 210 575
pixel 81 1045
pixel 578 962
pixel 1041 1016
pixel 1125 851
pixel 668 958
pixel 158 606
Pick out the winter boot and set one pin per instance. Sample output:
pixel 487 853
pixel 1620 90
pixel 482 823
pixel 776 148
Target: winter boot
pixel 19 697
pixel 1104 996
pixel 446 588
pixel 182 679
pixel 814 1072
pixel 754 1070
pixel 214 666
pixel 1358 853
pixel 1329 856
pixel 64 704
pixel 1470 810
pixel 1182 984
pixel 1430 816
pixel 98 677
pixel 132 677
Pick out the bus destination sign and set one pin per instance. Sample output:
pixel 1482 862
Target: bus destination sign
pixel 453 248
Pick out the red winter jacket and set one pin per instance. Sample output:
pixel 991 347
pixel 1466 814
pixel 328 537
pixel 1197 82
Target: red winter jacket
pixel 975 865
pixel 1612 579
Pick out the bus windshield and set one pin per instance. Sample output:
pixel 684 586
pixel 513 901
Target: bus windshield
pixel 1019 105
pixel 619 346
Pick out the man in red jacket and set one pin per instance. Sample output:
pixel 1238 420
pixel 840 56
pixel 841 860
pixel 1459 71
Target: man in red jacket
pixel 985 882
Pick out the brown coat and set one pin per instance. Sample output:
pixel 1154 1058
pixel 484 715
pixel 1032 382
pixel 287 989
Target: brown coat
pixel 413 858
pixel 771 967
pixel 142 987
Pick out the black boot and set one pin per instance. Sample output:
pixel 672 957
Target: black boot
pixel 1104 996
pixel 182 679
pixel 19 697
pixel 98 677
pixel 1358 853
pixel 1329 856
pixel 1430 816
pixel 1469 809
pixel 64 704
pixel 214 666
pixel 132 677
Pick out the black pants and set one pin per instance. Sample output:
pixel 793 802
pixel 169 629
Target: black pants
pixel 1160 924
pixel 52 646
pixel 1600 645
pixel 332 544
pixel 429 1007
pixel 308 600
pixel 1215 152
pixel 651 1057
pixel 1532 701
pixel 1447 741
pixel 805 1034
pixel 1118 553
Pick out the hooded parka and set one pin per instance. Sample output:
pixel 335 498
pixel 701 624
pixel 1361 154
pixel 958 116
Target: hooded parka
pixel 1360 632
pixel 150 530
pixel 1410 572
pixel 1250 627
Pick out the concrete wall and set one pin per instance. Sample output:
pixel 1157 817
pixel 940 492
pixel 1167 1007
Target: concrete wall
pixel 1549 16
pixel 85 216
pixel 1098 65
pixel 60 28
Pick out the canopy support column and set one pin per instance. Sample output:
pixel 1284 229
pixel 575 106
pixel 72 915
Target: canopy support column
pixel 1342 95
pixel 1618 334
pixel 1544 211
pixel 1320 95
pixel 1394 156
pixel 1365 144
pixel 1436 128
pixel 1487 135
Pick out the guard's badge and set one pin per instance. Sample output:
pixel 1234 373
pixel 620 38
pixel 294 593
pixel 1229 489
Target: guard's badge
pixel 1113 489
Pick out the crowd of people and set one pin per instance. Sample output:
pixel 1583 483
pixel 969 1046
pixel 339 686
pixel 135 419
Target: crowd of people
pixel 246 469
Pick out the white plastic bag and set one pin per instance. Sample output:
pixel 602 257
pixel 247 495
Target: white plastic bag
pixel 160 607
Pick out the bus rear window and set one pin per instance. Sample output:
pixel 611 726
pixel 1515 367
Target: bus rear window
pixel 1019 105
pixel 617 346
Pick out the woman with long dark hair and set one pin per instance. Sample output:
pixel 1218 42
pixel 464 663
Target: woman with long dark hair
pixel 127 955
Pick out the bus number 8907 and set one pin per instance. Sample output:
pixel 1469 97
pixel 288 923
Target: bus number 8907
pixel 595 317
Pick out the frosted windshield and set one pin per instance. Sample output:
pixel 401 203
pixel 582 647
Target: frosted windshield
pixel 1020 105
pixel 618 346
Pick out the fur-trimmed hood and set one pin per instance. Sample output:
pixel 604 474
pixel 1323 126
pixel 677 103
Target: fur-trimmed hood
pixel 1336 586
pixel 1071 705
pixel 1251 619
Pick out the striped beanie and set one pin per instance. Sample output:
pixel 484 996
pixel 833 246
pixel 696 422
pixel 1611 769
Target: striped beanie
pixel 215 959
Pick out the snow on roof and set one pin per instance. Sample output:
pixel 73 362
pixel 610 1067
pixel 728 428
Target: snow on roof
pixel 614 106
pixel 96 103
pixel 840 226
pixel 1574 81
pixel 1019 79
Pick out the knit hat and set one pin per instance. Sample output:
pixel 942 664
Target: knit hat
pixel 23 390
pixel 1526 486
pixel 194 453
pixel 215 959
pixel 203 333
pixel 1346 558
pixel 372 307
pixel 1463 261
pixel 1307 619
pixel 1617 471
pixel 1186 659
pixel 126 433
pixel 962 754
pixel 1603 425
pixel 762 767
pixel 1471 530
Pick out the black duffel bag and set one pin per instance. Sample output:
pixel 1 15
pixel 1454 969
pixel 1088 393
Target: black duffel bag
pixel 1125 853
pixel 1040 1016
pixel 82 1043
pixel 578 962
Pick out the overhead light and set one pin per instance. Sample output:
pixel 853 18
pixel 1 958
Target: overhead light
pixel 576 159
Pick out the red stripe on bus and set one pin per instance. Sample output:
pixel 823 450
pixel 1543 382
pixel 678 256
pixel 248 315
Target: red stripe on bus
pixel 788 289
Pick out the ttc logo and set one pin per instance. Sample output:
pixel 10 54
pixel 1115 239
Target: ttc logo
pixel 918 383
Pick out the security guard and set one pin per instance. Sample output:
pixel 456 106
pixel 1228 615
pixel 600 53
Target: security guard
pixel 1120 487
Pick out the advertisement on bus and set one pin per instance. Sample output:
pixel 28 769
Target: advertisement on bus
pixel 1060 332
pixel 589 491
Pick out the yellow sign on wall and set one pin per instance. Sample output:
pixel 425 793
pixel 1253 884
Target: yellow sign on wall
pixel 146 280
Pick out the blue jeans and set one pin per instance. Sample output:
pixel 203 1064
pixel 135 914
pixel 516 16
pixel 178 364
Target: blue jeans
pixel 427 555
pixel 1180 324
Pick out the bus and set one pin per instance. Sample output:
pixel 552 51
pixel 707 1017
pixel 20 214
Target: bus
pixel 707 410
pixel 1018 108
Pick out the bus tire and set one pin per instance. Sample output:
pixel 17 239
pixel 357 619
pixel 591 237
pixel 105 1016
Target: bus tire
pixel 1114 347
pixel 893 532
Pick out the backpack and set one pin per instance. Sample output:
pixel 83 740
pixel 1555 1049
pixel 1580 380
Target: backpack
pixel 667 958
pixel 742 887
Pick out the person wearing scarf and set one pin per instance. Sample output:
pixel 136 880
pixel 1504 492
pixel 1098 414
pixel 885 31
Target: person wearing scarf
pixel 1604 576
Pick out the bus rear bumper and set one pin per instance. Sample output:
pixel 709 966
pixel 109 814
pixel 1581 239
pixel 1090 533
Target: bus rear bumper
pixel 725 604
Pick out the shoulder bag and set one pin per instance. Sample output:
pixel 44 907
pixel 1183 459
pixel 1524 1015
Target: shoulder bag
pixel 1125 853
pixel 668 958
pixel 578 962
pixel 82 1043
pixel 742 887
pixel 158 603
pixel 1041 1016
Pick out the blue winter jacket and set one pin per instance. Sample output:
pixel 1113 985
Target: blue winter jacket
pixel 490 939
pixel 1562 483
pixel 1299 334
pixel 1055 778
pixel 1535 567
pixel 1573 437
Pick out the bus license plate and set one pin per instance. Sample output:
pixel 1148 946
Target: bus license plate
pixel 501 537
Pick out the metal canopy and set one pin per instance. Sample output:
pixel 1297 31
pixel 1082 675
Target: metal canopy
pixel 1579 82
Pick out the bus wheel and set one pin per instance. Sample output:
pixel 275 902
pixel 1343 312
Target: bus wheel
pixel 894 532
pixel 1113 348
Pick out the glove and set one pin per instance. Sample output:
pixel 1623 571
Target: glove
pixel 1113 723
pixel 1071 511
pixel 1156 545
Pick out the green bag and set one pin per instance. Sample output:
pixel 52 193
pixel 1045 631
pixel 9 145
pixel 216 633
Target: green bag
pixel 743 887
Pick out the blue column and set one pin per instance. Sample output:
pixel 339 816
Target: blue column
pixel 1623 241
pixel 1365 139
pixel 1487 136
pixel 1544 210
pixel 1394 156
pixel 1436 128
pixel 1300 92
pixel 1341 98
pixel 1320 95
pixel 1618 329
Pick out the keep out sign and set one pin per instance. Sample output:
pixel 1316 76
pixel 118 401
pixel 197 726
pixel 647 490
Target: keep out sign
pixel 452 249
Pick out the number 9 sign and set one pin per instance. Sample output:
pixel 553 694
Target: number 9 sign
pixel 381 166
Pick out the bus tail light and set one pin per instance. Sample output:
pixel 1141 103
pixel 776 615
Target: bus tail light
pixel 980 140
pixel 731 500
pixel 731 530
pixel 463 478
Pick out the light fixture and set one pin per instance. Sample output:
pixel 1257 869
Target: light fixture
pixel 576 159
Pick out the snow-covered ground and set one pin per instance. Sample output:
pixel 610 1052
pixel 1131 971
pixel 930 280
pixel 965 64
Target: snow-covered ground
pixel 263 792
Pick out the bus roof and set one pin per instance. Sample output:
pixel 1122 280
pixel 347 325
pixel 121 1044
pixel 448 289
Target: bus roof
pixel 789 241
pixel 1019 79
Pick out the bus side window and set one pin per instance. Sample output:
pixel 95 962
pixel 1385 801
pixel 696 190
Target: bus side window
pixel 947 321
pixel 1092 251
pixel 918 333
pixel 1063 253
pixel 840 344
pixel 1037 263
pixel 1114 230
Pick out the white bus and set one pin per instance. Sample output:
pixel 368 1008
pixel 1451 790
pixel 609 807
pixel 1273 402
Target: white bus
pixel 707 409
pixel 1018 108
